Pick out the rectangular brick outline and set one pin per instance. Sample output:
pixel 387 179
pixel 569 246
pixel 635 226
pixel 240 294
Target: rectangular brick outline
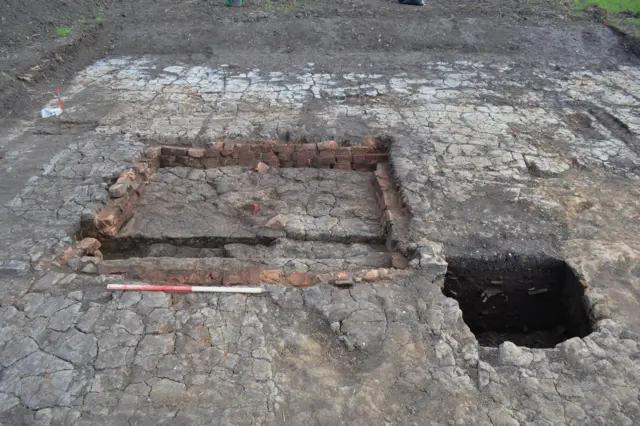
pixel 125 192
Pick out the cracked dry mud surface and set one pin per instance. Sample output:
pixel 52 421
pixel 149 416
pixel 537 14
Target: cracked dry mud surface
pixel 492 159
pixel 183 203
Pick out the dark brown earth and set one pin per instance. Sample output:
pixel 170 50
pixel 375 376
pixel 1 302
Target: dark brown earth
pixel 266 33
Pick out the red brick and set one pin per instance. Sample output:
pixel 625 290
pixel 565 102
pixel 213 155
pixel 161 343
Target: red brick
pixel 371 143
pixel 210 162
pixel 325 159
pixel 167 160
pixel 343 159
pixel 128 206
pixel 142 169
pixel 195 152
pixel 264 147
pixel 232 278
pixel 371 275
pixel 213 151
pixel 302 158
pixel 182 161
pixel 195 163
pixel 228 149
pixel 195 277
pixel 185 277
pixel 270 276
pixel 376 158
pixel 176 151
pixel 89 245
pixel 312 147
pixel 247 159
pixel 359 150
pixel 229 161
pixel 362 167
pixel 283 148
pixel 262 168
pixel 213 277
pixel 300 279
pixel 285 154
pixel 270 158
pixel 359 159
pixel 108 217
pixel 341 165
pixel 243 150
pixel 106 269
pixel 323 146
pixel 178 277
pixel 253 275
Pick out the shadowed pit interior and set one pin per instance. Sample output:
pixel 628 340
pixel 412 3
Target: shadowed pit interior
pixel 532 301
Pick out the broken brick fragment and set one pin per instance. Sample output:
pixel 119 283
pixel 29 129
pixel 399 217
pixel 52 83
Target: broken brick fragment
pixel 278 222
pixel 271 159
pixel 371 275
pixel 118 190
pixel 300 279
pixel 270 276
pixel 195 152
pixel 262 168
pixel 384 274
pixel 107 218
pixel 89 246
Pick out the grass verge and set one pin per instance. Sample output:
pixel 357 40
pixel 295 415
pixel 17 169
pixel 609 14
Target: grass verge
pixel 612 6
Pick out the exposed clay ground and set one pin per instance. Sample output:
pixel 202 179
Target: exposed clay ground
pixel 328 205
pixel 516 135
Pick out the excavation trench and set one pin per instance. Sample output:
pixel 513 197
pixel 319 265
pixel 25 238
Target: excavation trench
pixel 532 301
pixel 314 209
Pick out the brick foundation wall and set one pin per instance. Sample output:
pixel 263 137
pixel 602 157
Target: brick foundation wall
pixel 316 155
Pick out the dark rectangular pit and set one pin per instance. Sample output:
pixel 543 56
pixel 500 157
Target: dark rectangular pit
pixel 529 300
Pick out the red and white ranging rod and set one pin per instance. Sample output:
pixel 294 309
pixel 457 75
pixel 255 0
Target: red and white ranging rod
pixel 185 288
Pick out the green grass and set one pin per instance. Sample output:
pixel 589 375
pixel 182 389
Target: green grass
pixel 63 31
pixel 611 6
pixel 95 13
pixel 632 21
